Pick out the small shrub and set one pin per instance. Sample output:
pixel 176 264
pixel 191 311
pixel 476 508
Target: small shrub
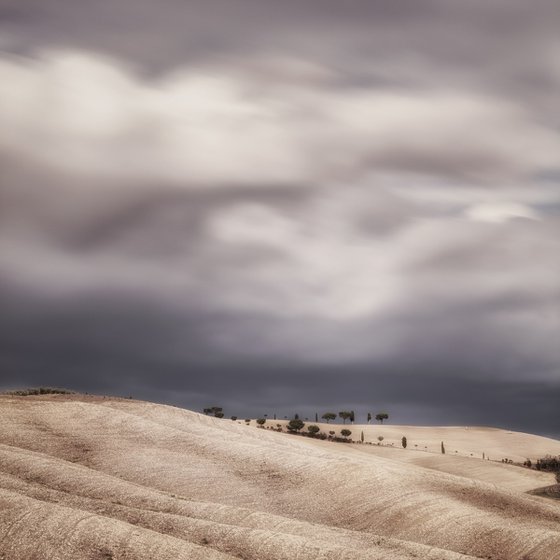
pixel 313 430
pixel 39 391
pixel 215 410
pixel 404 443
pixel 549 464
pixel 261 421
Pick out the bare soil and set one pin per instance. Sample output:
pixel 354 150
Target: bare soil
pixel 86 477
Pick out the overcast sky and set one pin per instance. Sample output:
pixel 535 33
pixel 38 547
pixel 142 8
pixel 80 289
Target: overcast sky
pixel 285 207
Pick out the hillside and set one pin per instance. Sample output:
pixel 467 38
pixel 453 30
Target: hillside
pixel 104 478
pixel 465 448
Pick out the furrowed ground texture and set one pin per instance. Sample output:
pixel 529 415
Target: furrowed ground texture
pixel 106 478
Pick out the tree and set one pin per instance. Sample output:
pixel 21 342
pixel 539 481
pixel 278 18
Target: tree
pixel 261 421
pixel 345 433
pixel 368 417
pixel 328 416
pixel 404 442
pixel 316 417
pixel 352 417
pixel 381 416
pixel 380 439
pixel 296 417
pixel 442 448
pixel 362 436
pixel 215 410
pixel 295 425
pixel 313 430
pixel 344 415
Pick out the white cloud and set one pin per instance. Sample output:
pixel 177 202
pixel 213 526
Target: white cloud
pixel 500 212
pixel 202 126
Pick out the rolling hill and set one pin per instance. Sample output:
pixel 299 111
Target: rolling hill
pixel 107 478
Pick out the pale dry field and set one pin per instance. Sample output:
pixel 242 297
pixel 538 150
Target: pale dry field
pixel 104 478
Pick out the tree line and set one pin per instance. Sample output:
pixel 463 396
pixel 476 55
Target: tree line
pixel 344 415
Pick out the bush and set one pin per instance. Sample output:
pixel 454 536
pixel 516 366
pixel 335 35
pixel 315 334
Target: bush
pixel 261 421
pixel 549 464
pixel 345 433
pixel 217 411
pixel 40 391
pixel 313 430
pixel 404 442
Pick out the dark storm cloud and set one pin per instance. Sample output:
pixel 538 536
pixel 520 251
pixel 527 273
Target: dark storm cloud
pixel 284 206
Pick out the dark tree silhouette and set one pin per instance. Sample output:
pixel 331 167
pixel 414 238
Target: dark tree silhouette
pixel 295 425
pixel 344 415
pixel 215 410
pixel 381 416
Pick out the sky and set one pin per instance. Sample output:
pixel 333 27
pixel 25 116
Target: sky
pixel 281 207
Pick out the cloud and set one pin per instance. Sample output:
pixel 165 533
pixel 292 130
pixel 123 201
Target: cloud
pixel 287 216
pixel 93 115
pixel 500 212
